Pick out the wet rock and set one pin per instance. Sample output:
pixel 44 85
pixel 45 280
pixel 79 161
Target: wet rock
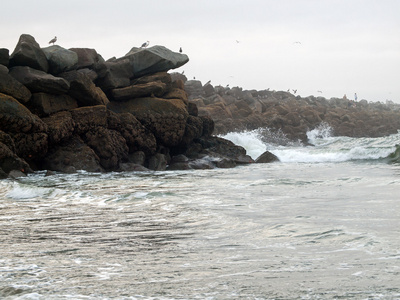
pixel 90 117
pixel 158 162
pixel 266 157
pixel 71 156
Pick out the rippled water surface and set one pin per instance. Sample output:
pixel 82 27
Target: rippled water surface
pixel 275 231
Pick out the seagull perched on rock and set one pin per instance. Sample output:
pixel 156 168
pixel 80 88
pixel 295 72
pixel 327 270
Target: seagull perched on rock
pixel 180 50
pixel 144 45
pixel 53 40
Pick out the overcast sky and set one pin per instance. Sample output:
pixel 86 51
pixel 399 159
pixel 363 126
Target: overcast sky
pixel 335 47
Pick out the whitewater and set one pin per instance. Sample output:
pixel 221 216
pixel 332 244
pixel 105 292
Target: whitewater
pixel 323 223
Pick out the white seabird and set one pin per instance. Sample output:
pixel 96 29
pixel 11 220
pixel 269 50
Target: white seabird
pixel 144 45
pixel 53 40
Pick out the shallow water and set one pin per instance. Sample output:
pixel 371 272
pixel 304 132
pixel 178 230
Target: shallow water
pixel 294 230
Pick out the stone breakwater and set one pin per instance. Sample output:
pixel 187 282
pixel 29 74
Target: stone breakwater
pixel 69 109
pixel 234 109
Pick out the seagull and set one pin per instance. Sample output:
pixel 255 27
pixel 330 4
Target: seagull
pixel 297 42
pixel 319 91
pixel 208 82
pixel 53 40
pixel 180 50
pixel 144 45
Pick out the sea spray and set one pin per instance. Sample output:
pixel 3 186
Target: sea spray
pixel 327 148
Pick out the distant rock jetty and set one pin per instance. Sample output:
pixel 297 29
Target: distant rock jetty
pixel 234 109
pixel 68 109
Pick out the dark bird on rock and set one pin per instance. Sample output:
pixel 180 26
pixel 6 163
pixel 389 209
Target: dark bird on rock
pixel 53 40
pixel 144 45
pixel 180 50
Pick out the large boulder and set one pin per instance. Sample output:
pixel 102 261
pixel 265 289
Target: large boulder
pixel 89 118
pixel 109 145
pixel 165 118
pixel 87 57
pixel 114 74
pixel 28 53
pixel 16 118
pixel 44 104
pixel 10 161
pixel 60 127
pixel 267 157
pixel 71 156
pixel 10 86
pixel 155 88
pixel 84 90
pixel 60 59
pixel 138 137
pixel 38 81
pixel 154 59
pixel 4 57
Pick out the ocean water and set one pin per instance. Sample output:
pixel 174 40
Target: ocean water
pixel 324 223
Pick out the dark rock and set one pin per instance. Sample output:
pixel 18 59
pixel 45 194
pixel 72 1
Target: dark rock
pixel 132 167
pixel 71 156
pixel 44 104
pixel 28 53
pixel 60 127
pixel 166 119
pixel 84 90
pixel 60 59
pixel 38 81
pixel 89 117
pixel 4 57
pixel 16 118
pixel 136 135
pixel 138 157
pixel 158 162
pixel 10 86
pixel 154 59
pixel 87 58
pixel 155 88
pixel 267 157
pixel 109 145
pixel 10 161
pixel 226 163
pixel 115 74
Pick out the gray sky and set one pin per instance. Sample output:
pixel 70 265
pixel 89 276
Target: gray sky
pixel 346 46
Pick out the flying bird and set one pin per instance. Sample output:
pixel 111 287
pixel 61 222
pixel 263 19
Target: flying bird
pixel 297 42
pixel 144 45
pixel 53 40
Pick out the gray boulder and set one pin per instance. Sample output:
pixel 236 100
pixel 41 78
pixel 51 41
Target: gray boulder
pixel 114 74
pixel 87 57
pixel 154 59
pixel 28 53
pixel 4 57
pixel 60 59
pixel 84 90
pixel 38 81
pixel 10 86
pixel 267 157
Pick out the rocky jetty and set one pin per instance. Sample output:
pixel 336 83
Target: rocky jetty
pixel 69 109
pixel 235 109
